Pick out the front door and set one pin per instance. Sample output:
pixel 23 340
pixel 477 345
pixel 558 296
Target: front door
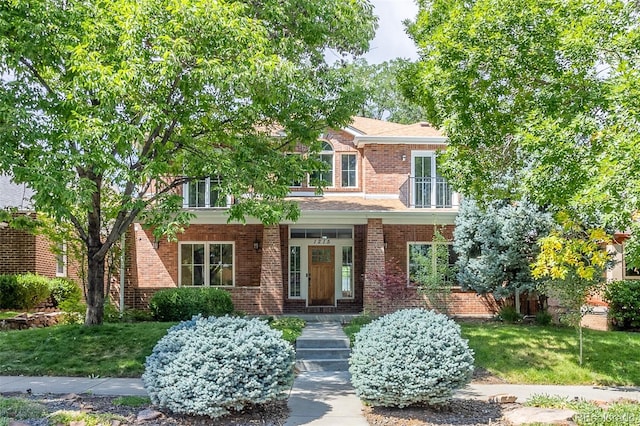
pixel 321 275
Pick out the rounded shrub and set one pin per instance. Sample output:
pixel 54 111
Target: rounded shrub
pixel 624 304
pixel 180 304
pixel 63 289
pixel 213 366
pixel 408 357
pixel 24 291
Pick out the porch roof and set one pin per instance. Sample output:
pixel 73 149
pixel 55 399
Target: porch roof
pixel 346 209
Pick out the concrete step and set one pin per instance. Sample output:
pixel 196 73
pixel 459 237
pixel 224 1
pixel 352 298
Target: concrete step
pixel 308 343
pixel 322 365
pixel 322 353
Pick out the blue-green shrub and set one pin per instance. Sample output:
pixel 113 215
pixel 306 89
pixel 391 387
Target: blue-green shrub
pixel 213 366
pixel 23 291
pixel 180 304
pixel 408 357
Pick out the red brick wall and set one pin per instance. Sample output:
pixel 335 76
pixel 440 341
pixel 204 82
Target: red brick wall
pixel 150 269
pixel 380 300
pixel 17 251
pixel 342 143
pixel 384 170
pixel 46 263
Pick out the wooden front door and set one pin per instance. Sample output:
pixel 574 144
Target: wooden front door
pixel 321 275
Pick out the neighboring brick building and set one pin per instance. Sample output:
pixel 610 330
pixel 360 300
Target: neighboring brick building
pixel 20 251
pixel 383 201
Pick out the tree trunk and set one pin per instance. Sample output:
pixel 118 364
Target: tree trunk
pixel 95 260
pixel 95 288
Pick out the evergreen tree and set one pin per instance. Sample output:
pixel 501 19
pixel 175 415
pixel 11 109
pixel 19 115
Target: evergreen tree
pixel 497 244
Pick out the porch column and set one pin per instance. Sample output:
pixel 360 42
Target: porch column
pixel 374 267
pixel 271 300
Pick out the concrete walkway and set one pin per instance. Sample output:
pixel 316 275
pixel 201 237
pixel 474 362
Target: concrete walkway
pixel 321 397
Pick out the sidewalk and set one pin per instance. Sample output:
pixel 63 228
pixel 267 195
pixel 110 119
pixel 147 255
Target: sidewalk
pixel 311 385
pixel 317 398
pixel 64 385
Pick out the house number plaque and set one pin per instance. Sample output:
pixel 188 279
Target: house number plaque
pixel 323 241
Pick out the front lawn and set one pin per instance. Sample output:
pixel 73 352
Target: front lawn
pixel 110 350
pixel 549 355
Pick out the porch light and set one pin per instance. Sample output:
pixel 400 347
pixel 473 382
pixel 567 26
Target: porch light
pixel 256 244
pixel 404 157
pixel 385 243
pixel 156 243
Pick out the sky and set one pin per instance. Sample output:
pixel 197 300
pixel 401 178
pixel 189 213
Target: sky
pixel 391 40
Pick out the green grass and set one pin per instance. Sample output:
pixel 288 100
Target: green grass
pixel 590 414
pixel 110 350
pixel 355 325
pixel 549 355
pixel 87 419
pixel 19 409
pixel 291 327
pixel 132 401
pixel 8 314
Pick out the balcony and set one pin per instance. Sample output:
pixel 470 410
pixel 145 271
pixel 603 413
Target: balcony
pixel 431 193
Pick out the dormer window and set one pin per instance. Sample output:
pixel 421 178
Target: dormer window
pixel 326 156
pixel 205 193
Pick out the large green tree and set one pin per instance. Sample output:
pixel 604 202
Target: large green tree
pixel 540 98
pixel 383 95
pixel 136 97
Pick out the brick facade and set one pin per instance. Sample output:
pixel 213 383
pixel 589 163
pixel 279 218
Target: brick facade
pixel 383 171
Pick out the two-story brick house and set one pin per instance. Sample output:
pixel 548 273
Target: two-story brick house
pixel 383 201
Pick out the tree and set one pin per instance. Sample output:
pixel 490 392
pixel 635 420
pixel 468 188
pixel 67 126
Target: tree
pixel 433 274
pixel 537 98
pixel 573 259
pixel 137 97
pixel 497 244
pixel 384 99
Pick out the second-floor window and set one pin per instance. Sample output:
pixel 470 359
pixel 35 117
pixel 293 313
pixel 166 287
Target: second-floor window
pixel 348 164
pixel 205 193
pixel 326 156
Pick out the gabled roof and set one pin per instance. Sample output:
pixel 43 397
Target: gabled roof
pixel 14 195
pixel 369 130
pixel 372 127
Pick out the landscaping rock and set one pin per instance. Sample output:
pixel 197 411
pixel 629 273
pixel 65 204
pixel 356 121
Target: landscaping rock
pixel 148 415
pixel 528 415
pixel 503 398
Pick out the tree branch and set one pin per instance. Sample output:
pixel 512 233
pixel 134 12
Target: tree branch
pixel 24 61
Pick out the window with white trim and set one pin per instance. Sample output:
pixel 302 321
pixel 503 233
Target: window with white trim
pixel 295 271
pixel 61 260
pixel 203 193
pixel 207 264
pixel 348 163
pixel 425 254
pixel 325 156
pixel 347 272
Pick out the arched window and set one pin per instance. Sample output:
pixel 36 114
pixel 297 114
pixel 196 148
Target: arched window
pixel 326 156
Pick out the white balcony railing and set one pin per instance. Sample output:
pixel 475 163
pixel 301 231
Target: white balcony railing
pixel 431 192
